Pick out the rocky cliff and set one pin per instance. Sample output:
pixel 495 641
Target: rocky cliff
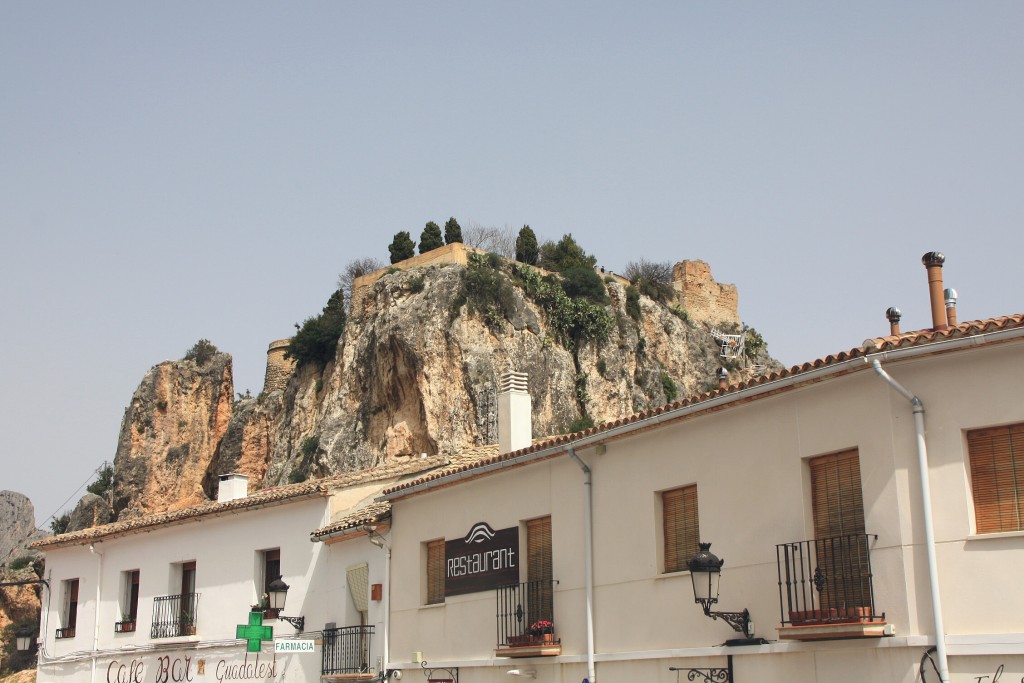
pixel 415 372
pixel 169 435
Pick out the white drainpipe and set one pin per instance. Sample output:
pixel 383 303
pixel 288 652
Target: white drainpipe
pixel 588 558
pixel 96 616
pixel 929 532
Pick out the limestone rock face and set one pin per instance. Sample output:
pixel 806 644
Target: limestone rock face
pixel 91 510
pixel 169 435
pixel 17 525
pixel 415 372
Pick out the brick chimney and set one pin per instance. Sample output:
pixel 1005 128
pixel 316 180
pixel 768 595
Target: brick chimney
pixel 893 314
pixel 515 420
pixel 933 261
pixel 232 486
pixel 950 296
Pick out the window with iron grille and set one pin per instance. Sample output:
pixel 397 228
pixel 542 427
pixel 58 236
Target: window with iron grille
pixel 997 477
pixel 837 504
pixel 680 527
pixel 435 571
pixel 539 569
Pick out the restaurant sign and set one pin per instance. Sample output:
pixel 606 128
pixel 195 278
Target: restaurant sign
pixel 483 560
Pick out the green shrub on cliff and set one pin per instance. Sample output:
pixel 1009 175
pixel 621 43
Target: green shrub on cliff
pixel 316 340
pixel 201 352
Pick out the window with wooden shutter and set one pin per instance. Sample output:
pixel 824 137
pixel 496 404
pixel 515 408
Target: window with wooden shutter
pixel 435 571
pixel 840 542
pixel 539 574
pixel 997 477
pixel 680 527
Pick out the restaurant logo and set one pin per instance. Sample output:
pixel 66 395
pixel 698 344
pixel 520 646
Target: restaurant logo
pixel 484 559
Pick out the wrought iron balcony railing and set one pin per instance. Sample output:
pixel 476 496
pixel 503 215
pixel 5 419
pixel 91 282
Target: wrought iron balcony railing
pixel 175 615
pixel 346 650
pixel 525 614
pixel 827 580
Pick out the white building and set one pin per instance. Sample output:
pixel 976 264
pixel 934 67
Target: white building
pixel 162 598
pixel 808 482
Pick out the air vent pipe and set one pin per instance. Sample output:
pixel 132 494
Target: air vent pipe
pixel 893 315
pixel 933 261
pixel 950 296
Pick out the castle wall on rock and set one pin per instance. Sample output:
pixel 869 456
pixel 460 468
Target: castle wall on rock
pixel 703 298
pixel 279 368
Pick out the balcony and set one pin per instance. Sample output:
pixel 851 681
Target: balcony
pixel 346 654
pixel 525 620
pixel 826 590
pixel 175 615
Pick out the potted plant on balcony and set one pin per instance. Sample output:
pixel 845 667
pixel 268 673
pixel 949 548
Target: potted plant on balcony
pixel 543 631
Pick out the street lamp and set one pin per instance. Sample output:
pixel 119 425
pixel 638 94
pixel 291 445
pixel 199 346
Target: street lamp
pixel 24 639
pixel 277 593
pixel 705 570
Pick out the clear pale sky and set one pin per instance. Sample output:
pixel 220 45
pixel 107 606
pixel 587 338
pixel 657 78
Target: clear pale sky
pixel 191 169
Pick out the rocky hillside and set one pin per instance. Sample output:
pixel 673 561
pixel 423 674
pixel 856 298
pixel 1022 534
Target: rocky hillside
pixel 415 372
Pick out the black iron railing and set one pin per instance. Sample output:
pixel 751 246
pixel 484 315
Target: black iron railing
pixel 66 632
pixel 525 613
pixel 827 580
pixel 175 615
pixel 346 650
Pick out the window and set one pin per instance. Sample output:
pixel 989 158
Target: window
pixel 680 527
pixel 841 550
pixel 69 615
pixel 177 614
pixel 271 568
pixel 435 571
pixel 129 602
pixel 539 574
pixel 997 477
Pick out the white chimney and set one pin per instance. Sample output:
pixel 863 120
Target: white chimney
pixel 232 486
pixel 515 422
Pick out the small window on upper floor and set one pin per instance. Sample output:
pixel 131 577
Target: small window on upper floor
pixel 69 610
pixel 997 477
pixel 128 602
pixel 680 527
pixel 434 571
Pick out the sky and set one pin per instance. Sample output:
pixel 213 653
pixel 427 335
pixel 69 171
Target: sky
pixel 187 170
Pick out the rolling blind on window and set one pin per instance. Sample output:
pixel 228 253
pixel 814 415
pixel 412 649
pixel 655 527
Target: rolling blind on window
pixel 680 526
pixel 435 571
pixel 997 477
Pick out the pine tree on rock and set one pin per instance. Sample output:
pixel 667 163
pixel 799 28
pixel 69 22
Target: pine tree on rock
pixel 452 231
pixel 430 238
pixel 402 247
pixel 526 246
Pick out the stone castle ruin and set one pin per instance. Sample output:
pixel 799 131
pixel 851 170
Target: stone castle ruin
pixel 706 301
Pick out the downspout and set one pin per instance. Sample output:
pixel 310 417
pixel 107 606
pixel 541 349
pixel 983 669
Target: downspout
pixel 588 558
pixel 929 532
pixel 96 614
pixel 387 612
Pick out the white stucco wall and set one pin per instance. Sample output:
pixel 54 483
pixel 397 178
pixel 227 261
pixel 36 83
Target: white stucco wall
pixel 749 463
pixel 226 550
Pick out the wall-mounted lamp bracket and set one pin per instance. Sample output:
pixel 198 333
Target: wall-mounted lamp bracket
pixel 298 622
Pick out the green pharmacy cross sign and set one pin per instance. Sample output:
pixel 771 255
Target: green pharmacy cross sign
pixel 254 632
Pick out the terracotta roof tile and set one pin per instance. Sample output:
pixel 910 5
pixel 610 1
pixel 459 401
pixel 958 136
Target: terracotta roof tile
pixel 917 338
pixel 372 513
pixel 274 495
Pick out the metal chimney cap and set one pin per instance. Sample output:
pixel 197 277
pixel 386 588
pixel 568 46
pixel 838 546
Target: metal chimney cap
pixel 893 314
pixel 950 295
pixel 933 258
